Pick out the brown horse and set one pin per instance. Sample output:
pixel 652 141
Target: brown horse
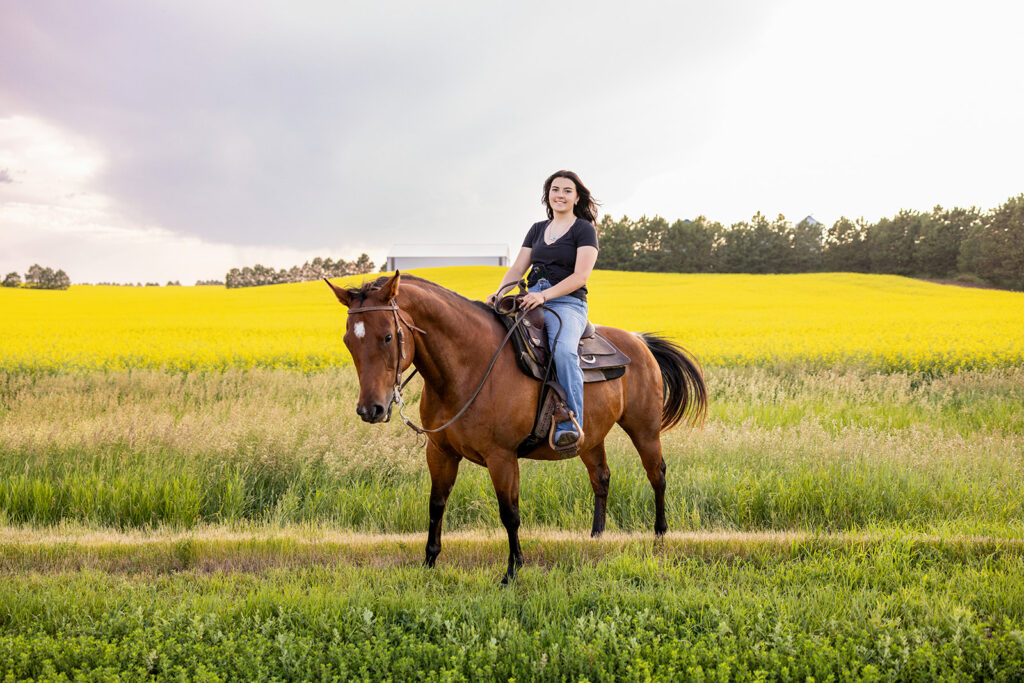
pixel 451 340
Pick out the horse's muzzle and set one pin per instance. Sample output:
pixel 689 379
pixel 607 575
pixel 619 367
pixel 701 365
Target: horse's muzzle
pixel 374 412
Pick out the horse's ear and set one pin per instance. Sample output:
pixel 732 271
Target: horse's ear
pixel 390 289
pixel 340 292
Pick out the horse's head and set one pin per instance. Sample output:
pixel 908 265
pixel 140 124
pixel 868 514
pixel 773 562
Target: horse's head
pixel 380 347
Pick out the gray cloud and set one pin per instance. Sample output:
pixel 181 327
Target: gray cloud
pixel 285 126
pixel 304 125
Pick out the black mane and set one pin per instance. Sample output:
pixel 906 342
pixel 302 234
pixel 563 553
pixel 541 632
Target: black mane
pixel 360 293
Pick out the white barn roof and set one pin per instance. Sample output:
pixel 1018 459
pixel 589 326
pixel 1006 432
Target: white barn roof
pixel 447 250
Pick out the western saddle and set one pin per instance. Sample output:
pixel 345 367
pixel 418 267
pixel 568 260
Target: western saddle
pixel 600 361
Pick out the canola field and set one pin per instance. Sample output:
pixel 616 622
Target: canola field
pixel 883 323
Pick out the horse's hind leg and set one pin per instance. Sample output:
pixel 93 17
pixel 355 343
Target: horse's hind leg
pixel 443 470
pixel 597 465
pixel 648 445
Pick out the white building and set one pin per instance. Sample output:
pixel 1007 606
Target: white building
pixel 406 256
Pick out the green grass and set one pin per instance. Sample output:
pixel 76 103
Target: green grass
pixel 882 610
pixel 783 449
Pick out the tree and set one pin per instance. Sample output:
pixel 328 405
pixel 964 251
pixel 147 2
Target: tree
pixel 687 246
pixel 617 245
pixel 755 247
pixel 363 265
pixel 845 246
pixel 938 246
pixel 805 247
pixel 35 275
pixel 45 278
pixel 994 248
pixel 12 280
pixel 60 281
pixel 891 242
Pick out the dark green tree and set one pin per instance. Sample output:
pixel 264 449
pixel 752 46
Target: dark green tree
pixel 687 246
pixel 617 245
pixel 938 245
pixel 994 248
pixel 845 246
pixel 805 247
pixel 891 242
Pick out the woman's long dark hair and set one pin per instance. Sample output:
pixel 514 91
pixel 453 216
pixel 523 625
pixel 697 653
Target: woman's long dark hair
pixel 585 208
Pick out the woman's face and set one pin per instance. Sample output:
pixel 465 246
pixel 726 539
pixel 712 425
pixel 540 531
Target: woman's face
pixel 562 195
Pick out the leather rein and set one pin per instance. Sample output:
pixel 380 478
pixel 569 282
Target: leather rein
pixel 400 385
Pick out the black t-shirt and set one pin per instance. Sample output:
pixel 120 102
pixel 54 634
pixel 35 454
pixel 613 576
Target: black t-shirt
pixel 559 258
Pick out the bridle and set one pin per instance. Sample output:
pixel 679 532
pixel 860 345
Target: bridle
pixel 400 385
pixel 399 315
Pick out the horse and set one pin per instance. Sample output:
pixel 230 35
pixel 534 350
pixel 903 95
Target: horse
pixel 401 321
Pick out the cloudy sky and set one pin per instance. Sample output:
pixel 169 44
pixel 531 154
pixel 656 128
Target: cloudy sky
pixel 175 140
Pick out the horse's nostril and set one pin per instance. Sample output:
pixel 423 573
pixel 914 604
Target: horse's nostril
pixel 378 410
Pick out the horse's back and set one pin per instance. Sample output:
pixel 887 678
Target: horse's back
pixel 641 386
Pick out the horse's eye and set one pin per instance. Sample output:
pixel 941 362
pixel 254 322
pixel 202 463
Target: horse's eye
pixel 387 338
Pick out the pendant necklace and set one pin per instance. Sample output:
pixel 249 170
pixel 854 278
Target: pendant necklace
pixel 547 231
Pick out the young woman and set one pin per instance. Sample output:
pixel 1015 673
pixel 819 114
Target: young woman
pixel 560 253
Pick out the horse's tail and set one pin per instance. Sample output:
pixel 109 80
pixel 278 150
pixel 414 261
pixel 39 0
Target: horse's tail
pixel 683 389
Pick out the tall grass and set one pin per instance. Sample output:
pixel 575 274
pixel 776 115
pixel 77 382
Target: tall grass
pixel 786 448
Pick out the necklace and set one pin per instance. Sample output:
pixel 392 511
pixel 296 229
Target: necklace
pixel 547 231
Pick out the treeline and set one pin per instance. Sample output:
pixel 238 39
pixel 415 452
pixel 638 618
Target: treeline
pixel 39 277
pixel 311 270
pixel 170 283
pixel 967 244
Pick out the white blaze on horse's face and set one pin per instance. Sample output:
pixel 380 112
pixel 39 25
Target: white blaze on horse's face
pixel 360 330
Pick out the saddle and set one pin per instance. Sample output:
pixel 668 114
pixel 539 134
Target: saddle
pixel 600 361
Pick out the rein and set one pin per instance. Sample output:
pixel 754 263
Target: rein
pixel 400 385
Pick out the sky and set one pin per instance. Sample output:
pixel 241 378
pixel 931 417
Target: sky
pixel 175 140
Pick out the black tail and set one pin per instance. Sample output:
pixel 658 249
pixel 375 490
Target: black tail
pixel 683 389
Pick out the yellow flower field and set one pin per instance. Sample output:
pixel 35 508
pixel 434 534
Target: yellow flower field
pixel 883 322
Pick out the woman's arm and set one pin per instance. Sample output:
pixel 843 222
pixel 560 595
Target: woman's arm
pixel 515 272
pixel 586 257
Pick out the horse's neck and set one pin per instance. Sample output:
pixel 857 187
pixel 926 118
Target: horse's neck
pixel 457 338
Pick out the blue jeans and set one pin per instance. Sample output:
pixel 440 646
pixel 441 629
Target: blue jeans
pixel 567 362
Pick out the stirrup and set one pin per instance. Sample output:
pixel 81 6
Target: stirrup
pixel 570 448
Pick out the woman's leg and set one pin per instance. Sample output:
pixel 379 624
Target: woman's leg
pixel 573 314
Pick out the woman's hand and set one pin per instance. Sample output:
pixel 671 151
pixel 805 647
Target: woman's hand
pixel 533 300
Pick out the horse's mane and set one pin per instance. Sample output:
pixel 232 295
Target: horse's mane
pixel 360 293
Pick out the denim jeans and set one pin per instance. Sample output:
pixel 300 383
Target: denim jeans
pixel 573 313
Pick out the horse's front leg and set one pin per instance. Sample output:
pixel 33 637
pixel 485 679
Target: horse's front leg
pixel 443 467
pixel 504 471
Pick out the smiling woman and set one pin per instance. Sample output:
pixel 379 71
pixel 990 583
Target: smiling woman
pixel 560 254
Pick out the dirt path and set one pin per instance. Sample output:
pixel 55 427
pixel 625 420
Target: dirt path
pixel 218 549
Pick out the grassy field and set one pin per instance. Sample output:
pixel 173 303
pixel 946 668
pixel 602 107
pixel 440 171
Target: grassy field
pixel 190 508
pixel 783 449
